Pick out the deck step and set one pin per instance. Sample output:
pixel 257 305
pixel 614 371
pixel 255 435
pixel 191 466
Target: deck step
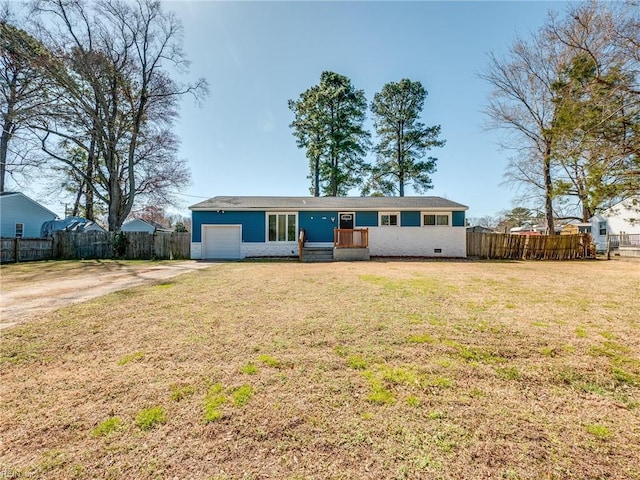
pixel 317 254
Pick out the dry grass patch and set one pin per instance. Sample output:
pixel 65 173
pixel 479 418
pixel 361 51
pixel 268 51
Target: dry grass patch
pixel 15 275
pixel 258 370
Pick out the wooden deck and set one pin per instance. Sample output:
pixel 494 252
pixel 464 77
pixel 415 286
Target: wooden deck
pixel 351 238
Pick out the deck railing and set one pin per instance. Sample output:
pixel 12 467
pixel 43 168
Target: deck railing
pixel 628 239
pixel 351 238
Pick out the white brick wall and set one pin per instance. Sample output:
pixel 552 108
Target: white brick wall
pixel 383 241
pixel 254 250
pixel 275 249
pixel 418 241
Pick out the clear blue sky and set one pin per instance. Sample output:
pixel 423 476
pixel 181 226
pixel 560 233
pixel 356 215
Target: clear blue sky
pixel 258 55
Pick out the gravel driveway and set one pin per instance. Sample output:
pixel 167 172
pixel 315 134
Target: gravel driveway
pixel 26 302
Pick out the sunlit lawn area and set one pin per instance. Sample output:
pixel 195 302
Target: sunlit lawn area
pixel 16 275
pixel 375 370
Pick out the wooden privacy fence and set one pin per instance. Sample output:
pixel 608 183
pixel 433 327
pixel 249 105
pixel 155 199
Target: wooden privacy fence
pixel 96 245
pixel 25 249
pixel 529 247
pixel 139 245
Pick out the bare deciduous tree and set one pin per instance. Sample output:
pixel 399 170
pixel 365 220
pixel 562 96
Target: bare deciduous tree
pixel 120 101
pixel 522 105
pixel 21 94
pixel 567 100
pixel 597 128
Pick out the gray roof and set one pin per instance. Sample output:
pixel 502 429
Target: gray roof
pixel 156 225
pixel 327 203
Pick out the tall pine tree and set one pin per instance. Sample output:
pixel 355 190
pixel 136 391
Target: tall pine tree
pixel 328 123
pixel 403 139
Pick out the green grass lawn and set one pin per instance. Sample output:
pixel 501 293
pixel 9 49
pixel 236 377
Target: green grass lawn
pixel 375 370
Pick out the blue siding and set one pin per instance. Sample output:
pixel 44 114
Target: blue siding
pixel 18 208
pixel 366 219
pixel 409 219
pixel 318 225
pixel 253 224
pixel 457 219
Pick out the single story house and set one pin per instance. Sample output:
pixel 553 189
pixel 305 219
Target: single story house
pixel 239 227
pixel 20 216
pixel 140 225
pixel 620 219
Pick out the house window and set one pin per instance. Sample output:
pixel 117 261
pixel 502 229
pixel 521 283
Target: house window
pixel 282 227
pixel 19 230
pixel 602 228
pixel 435 220
pixel 389 219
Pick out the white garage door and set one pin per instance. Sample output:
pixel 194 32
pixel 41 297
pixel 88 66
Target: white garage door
pixel 221 241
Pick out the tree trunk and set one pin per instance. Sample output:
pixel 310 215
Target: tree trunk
pixel 114 207
pixel 76 204
pixel 88 194
pixel 316 184
pixel 91 162
pixel 548 190
pixel 586 213
pixel 334 160
pixel 4 145
pixel 399 159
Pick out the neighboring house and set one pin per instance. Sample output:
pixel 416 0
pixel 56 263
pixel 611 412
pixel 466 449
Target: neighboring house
pixel 480 229
pixel 528 229
pixel 139 225
pixel 70 224
pixel 21 216
pixel 239 227
pixel 622 218
pixel 575 228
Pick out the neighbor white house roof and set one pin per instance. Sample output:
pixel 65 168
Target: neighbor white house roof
pixel 328 203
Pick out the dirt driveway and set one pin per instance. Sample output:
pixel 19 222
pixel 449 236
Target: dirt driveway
pixel 27 292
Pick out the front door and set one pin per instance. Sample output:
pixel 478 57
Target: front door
pixel 346 220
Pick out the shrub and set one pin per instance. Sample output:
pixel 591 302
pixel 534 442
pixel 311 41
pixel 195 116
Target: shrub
pixel 120 244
